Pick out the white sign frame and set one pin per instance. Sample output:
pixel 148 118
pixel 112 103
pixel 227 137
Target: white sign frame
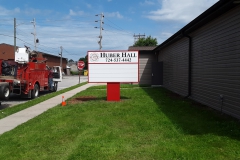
pixel 113 66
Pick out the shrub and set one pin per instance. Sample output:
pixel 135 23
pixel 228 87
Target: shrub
pixel 76 72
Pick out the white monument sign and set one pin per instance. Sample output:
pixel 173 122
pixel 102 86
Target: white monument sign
pixel 113 66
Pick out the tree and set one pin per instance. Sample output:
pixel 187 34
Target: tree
pixel 82 59
pixel 149 41
pixel 71 60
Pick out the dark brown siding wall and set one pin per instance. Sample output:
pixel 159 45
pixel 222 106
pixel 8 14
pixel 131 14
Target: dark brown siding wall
pixel 216 63
pixel 145 67
pixel 175 66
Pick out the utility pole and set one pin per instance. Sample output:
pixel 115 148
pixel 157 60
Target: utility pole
pixel 101 28
pixel 15 26
pixel 137 37
pixel 34 33
pixel 61 57
pixel 15 36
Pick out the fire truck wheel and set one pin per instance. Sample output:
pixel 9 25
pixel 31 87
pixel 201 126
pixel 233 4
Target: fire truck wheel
pixel 35 92
pixel 4 91
pixel 55 85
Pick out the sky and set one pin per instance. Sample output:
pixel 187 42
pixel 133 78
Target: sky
pixel 75 24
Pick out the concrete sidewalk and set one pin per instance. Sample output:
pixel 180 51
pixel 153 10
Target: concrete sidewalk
pixel 10 122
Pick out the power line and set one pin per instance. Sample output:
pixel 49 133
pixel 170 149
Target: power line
pixel 4 25
pixel 38 43
pixel 118 32
pixel 5 19
pixel 76 21
pixel 47 46
pixel 118 27
pixel 33 46
pixel 63 25
pixel 20 34
pixel 58 35
pixel 6 35
pixel 137 37
pixel 53 34
pixel 24 41
pixel 22 31
pixel 65 50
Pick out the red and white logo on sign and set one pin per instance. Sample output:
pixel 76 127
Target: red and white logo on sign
pixel 80 65
pixel 94 57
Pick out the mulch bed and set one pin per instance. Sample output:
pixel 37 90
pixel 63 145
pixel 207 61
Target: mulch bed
pixel 81 99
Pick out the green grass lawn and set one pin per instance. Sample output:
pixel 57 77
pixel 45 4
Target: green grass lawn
pixel 148 123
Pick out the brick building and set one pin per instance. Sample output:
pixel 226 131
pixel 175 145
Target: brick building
pixel 7 53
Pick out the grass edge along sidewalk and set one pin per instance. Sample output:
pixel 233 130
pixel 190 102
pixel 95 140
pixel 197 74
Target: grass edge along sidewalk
pixel 16 108
pixel 148 123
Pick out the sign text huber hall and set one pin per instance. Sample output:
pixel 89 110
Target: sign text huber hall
pixel 123 54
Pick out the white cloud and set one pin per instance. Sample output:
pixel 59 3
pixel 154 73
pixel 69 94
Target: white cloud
pixel 114 14
pixel 109 0
pixel 27 11
pixel 162 36
pixel 32 11
pixel 147 2
pixel 6 12
pixel 166 34
pixel 182 11
pixel 75 13
pixel 72 13
pixel 16 10
pixel 116 40
pixel 89 5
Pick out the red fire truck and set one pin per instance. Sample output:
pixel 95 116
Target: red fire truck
pixel 27 75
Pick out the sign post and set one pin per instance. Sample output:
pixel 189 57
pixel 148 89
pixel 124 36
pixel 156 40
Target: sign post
pixel 113 68
pixel 113 91
pixel 80 66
